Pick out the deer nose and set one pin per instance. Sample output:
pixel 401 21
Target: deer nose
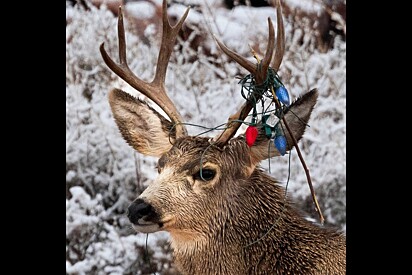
pixel 137 210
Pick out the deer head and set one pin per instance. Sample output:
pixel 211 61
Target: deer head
pixel 202 181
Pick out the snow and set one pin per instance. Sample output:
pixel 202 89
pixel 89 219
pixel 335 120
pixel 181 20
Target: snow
pixel 309 6
pixel 104 174
pixel 141 10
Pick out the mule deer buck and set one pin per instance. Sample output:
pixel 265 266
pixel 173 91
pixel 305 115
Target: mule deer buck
pixel 216 210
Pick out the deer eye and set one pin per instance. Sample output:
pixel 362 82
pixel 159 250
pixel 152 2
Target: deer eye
pixel 204 175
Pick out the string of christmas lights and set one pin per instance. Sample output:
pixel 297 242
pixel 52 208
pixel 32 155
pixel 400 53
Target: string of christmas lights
pixel 272 89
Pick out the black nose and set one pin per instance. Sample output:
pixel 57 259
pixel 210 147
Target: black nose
pixel 137 210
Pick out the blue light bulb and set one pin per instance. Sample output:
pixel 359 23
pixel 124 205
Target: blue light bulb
pixel 280 144
pixel 283 95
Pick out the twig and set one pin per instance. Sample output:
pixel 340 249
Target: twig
pixel 295 143
pixel 309 179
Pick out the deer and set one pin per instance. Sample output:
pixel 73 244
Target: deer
pixel 223 212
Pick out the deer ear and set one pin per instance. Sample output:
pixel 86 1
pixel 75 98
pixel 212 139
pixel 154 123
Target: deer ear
pixel 141 126
pixel 297 117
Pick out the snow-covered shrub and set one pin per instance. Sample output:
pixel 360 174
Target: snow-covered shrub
pixel 104 174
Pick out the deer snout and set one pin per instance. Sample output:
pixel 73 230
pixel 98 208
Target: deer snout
pixel 139 209
pixel 144 217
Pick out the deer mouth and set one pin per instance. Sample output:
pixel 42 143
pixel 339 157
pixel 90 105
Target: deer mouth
pixel 144 226
pixel 147 227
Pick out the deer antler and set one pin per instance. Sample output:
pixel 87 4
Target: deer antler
pixel 154 90
pixel 259 71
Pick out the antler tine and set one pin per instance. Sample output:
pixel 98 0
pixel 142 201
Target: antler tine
pixel 280 39
pixel 168 41
pixel 259 71
pixel 264 65
pixel 154 90
pixel 248 65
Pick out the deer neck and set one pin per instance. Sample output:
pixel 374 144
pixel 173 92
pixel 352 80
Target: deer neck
pixel 201 254
pixel 257 229
pixel 258 208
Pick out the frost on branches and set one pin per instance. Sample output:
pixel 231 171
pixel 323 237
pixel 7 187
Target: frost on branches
pixel 104 174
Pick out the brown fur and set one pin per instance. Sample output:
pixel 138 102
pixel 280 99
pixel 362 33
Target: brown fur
pixel 215 225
